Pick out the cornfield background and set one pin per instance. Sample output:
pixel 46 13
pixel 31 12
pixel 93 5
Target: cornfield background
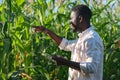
pixel 24 55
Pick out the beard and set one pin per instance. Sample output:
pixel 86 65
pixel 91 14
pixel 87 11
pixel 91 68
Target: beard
pixel 74 27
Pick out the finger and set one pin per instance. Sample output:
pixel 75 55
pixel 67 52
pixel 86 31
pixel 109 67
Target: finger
pixel 37 29
pixel 54 58
pixel 37 26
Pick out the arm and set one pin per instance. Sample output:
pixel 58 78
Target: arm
pixel 55 37
pixel 64 44
pixel 62 61
pixel 94 58
pixel 67 45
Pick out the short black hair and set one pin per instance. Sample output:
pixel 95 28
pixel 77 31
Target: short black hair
pixel 83 10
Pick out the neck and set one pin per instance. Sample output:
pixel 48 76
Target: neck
pixel 84 27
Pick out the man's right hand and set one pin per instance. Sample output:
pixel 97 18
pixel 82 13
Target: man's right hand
pixel 40 29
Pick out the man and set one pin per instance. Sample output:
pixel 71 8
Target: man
pixel 86 52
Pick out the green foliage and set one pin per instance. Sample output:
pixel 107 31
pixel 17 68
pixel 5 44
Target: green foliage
pixel 24 55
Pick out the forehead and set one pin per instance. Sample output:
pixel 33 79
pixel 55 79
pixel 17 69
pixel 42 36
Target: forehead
pixel 73 14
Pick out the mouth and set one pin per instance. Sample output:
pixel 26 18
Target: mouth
pixel 72 25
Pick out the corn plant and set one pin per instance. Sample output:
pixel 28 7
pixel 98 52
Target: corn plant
pixel 25 56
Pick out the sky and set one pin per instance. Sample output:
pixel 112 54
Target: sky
pixel 1 1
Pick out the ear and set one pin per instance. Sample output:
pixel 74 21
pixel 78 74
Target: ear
pixel 80 19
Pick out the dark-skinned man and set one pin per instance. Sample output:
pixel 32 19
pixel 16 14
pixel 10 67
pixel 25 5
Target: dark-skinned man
pixel 86 51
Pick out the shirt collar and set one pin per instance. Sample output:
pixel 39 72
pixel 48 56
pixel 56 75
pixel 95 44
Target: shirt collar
pixel 85 32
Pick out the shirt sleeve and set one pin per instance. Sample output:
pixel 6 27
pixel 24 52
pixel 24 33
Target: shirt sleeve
pixel 94 55
pixel 67 45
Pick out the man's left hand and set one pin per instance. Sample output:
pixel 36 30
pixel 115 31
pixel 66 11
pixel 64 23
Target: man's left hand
pixel 59 60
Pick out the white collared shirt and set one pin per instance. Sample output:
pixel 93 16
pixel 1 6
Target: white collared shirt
pixel 88 51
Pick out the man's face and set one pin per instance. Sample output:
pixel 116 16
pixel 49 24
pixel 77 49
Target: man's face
pixel 74 22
